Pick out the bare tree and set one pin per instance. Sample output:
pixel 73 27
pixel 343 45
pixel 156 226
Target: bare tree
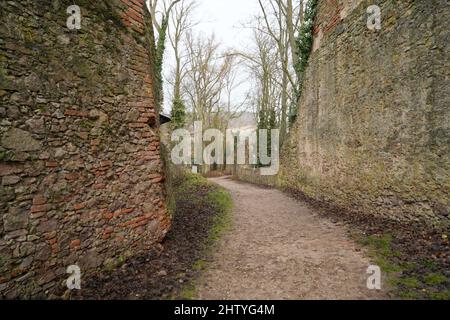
pixel 210 82
pixel 278 23
pixel 163 9
pixel 180 24
pixel 292 23
pixel 265 69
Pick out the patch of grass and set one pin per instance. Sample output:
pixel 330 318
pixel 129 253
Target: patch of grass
pixel 430 264
pixel 387 266
pixel 382 244
pixel 192 180
pixel 188 292
pixel 199 265
pixel 409 282
pixel 443 295
pixel 197 190
pixel 407 278
pixel 380 248
pixel 382 253
pixel 435 279
pixel 409 295
pixel 188 184
pixel 221 199
pixel 222 202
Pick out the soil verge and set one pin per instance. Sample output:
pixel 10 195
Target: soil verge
pixel 164 272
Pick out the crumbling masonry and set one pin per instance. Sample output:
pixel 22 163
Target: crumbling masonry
pixel 81 175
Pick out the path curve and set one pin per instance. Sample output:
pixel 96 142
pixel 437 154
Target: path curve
pixel 278 248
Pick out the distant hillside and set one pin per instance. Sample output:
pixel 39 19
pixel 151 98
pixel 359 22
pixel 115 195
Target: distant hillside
pixel 247 120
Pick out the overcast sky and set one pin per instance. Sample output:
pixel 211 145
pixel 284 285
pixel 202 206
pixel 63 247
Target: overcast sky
pixel 225 19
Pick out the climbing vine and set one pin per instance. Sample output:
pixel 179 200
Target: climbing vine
pixel 178 113
pixel 305 37
pixel 304 45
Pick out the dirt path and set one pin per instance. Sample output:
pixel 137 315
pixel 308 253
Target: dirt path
pixel 280 249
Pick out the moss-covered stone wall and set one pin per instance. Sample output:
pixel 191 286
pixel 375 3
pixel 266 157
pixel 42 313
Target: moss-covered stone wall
pixel 372 133
pixel 80 167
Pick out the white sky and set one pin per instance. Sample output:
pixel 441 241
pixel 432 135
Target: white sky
pixel 225 19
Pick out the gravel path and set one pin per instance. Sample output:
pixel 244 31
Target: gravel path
pixel 280 249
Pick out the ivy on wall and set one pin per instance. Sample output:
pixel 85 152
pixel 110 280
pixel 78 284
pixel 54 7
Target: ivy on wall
pixel 305 37
pixel 160 50
pixel 178 114
pixel 304 46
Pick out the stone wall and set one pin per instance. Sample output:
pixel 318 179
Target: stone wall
pixel 80 168
pixel 373 128
pixel 253 175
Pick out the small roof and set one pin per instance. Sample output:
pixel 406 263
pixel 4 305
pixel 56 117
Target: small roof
pixel 164 118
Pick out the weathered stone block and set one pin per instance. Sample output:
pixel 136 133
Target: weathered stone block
pixel 17 218
pixel 19 140
pixel 10 180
